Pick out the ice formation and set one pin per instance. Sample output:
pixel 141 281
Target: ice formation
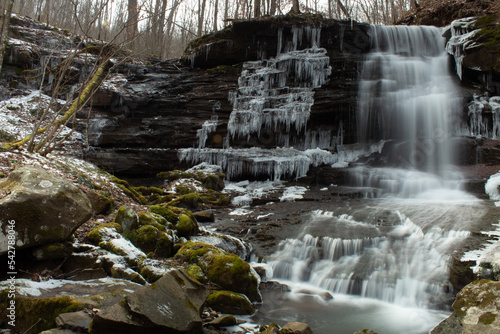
pixel 484 117
pixel 274 95
pixel 462 34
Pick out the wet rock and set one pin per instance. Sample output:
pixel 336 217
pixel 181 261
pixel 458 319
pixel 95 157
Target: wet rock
pixel 45 208
pixel 297 328
pixel 476 310
pixel 205 216
pixel 78 321
pixel 223 321
pixel 224 269
pixel 230 302
pixel 171 304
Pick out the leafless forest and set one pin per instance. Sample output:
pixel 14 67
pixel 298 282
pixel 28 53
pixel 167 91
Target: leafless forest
pixel 162 28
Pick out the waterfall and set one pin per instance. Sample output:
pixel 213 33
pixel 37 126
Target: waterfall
pixel 407 96
pixel 406 266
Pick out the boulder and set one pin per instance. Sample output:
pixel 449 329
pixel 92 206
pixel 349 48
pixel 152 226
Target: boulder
pixel 297 328
pixel 47 300
pixel 226 270
pixel 365 331
pixel 223 321
pixel 230 302
pixel 476 310
pixel 170 305
pixel 40 208
pixel 127 218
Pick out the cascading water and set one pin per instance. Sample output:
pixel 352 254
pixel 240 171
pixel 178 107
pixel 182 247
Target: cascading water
pixel 395 251
pixel 408 96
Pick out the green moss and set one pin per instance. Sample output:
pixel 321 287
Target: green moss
pixel 165 211
pixel 480 294
pixel 192 251
pixel 146 238
pixel 128 190
pixel 149 218
pixel 230 302
pixel 186 226
pixel 150 274
pixel 195 272
pixel 40 312
pixel 155 190
pixel 190 201
pixel 96 235
pixel 101 204
pixel 487 318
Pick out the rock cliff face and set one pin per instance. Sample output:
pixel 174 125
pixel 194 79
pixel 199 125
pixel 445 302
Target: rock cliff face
pixel 143 114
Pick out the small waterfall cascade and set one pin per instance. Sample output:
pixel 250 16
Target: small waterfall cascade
pixel 406 267
pixel 407 96
pixel 272 106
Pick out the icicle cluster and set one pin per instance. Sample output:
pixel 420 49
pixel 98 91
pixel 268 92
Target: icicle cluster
pixel 274 95
pixel 481 111
pixel 462 34
pixel 264 98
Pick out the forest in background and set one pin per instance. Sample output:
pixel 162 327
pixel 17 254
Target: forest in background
pixel 163 28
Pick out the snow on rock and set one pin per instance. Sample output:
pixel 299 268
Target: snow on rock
pixel 492 187
pixel 293 193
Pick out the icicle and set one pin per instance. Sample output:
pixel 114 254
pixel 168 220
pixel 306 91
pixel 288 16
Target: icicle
pixel 462 34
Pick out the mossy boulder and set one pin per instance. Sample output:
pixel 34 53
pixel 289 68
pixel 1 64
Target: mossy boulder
pixel 230 302
pixel 40 208
pixel 195 272
pixel 187 226
pixel 187 201
pixel 35 315
pixel 151 218
pixel 475 310
pixel 101 205
pixel 100 233
pixel 150 239
pixel 165 211
pixel 224 269
pixel 170 305
pixel 209 180
pixel 127 218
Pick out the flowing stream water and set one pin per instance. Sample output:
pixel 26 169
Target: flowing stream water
pixel 390 274
pixel 386 258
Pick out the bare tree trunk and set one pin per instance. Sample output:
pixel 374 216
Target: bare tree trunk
pixel 256 9
pixel 413 4
pixel 5 12
pixel 226 12
pixel 216 12
pixel 132 24
pixel 201 16
pixel 329 9
pixel 295 7
pixel 272 10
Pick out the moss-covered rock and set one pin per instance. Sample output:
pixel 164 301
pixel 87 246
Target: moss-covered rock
pixel 101 204
pixel 129 190
pixel 35 315
pixel 100 233
pixel 230 302
pixel 150 239
pixel 196 272
pixel 45 208
pixel 52 251
pixel 476 310
pixel 188 201
pixel 120 271
pixel 166 212
pixel 127 218
pixel 151 218
pixel 224 269
pixel 214 181
pixel 187 226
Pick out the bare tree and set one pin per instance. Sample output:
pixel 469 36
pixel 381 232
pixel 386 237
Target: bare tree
pixel 256 9
pixel 201 16
pixel 295 7
pixel 132 22
pixel 5 12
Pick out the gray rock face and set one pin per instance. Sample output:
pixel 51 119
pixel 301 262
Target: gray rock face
pixel 476 310
pixel 44 208
pixel 170 305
